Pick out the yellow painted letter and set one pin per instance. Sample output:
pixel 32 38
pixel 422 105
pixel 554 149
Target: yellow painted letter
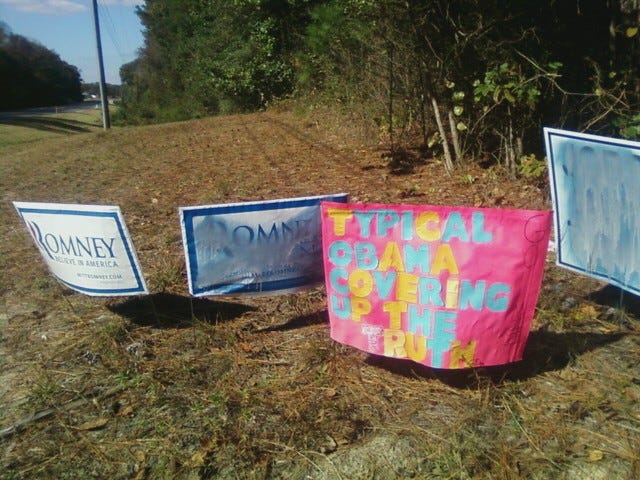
pixel 394 343
pixel 395 311
pixel 424 231
pixel 444 260
pixel 407 288
pixel 451 299
pixel 391 257
pixel 360 283
pixel 359 307
pixel 340 218
pixel 462 357
pixel 416 347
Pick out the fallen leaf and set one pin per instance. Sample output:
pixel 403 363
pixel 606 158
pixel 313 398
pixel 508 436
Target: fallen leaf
pixel 196 460
pixel 330 392
pixel 587 312
pixel 595 455
pixel 126 411
pixel 93 425
pixel 632 393
pixel 329 446
pixel 247 347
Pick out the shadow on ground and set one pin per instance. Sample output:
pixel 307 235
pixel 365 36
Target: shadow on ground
pixel 615 297
pixel 403 161
pixel 545 352
pixel 315 318
pixel 49 124
pixel 165 310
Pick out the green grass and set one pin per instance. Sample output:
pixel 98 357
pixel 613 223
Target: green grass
pixel 33 128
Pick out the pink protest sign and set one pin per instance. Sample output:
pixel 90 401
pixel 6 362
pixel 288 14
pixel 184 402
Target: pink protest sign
pixel 447 287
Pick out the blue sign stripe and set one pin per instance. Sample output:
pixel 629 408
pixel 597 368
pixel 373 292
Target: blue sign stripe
pixel 270 286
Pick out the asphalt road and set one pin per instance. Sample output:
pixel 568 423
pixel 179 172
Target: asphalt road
pixel 75 107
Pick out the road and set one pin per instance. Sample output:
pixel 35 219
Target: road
pixel 75 107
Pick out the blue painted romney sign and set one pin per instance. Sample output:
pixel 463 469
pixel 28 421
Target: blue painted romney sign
pixel 265 247
pixel 596 198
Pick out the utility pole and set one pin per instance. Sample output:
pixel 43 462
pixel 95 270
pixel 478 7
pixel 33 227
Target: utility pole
pixel 106 121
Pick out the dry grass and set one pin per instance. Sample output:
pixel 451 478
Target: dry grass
pixel 168 386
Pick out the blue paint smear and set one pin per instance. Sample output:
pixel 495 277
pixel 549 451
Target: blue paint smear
pixel 597 201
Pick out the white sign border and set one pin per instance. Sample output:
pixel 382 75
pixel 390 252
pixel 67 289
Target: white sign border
pixel 112 211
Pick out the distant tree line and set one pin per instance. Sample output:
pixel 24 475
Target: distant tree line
pixel 31 75
pixel 469 77
pixel 94 89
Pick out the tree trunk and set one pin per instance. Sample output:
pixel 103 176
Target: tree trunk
pixel 454 137
pixel 448 163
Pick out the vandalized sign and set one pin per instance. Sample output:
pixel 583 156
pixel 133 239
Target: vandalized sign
pixel 596 202
pixel 266 247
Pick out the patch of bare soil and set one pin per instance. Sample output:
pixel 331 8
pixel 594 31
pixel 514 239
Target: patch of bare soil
pixel 169 386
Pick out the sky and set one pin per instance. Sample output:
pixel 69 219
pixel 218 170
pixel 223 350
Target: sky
pixel 67 28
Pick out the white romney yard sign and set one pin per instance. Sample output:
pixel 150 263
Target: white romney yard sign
pixel 596 197
pixel 86 247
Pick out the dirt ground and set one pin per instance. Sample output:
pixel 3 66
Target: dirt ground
pixel 169 386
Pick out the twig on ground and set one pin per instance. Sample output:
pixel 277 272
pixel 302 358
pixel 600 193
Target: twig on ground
pixel 48 412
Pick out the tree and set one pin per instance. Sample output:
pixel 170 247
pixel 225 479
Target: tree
pixel 476 78
pixel 32 75
pixel 204 58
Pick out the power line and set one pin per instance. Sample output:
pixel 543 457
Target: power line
pixel 111 30
pixel 125 30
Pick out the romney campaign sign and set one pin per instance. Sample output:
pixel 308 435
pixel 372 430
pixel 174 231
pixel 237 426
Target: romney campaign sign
pixel 259 248
pixel 86 247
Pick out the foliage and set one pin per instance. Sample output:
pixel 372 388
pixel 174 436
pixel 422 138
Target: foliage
pixel 509 96
pixel 337 49
pixel 494 73
pixel 532 167
pixel 506 84
pixel 34 76
pixel 629 126
pixel 205 58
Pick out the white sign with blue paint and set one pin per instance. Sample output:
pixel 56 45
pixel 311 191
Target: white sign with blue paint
pixel 596 197
pixel 86 247
pixel 259 248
